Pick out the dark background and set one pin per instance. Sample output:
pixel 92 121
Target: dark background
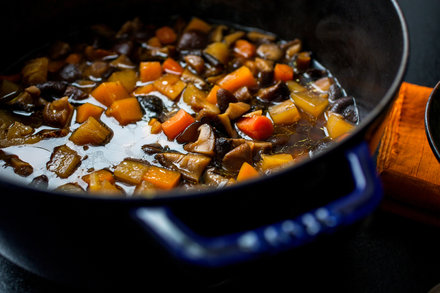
pixel 387 254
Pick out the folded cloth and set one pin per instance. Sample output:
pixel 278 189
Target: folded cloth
pixel 409 170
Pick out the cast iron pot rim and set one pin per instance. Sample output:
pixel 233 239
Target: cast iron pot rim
pixel 179 194
pixel 434 141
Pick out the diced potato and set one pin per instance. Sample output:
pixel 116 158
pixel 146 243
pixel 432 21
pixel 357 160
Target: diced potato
pixel 270 162
pixel 128 78
pixel 337 125
pixel 92 132
pixel 131 171
pixel 312 103
pixel 63 161
pixel 284 113
pixel 295 87
pixel 170 85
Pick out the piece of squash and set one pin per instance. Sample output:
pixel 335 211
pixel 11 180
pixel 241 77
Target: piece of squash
pixel 127 77
pixel 108 92
pixel 126 111
pixel 170 85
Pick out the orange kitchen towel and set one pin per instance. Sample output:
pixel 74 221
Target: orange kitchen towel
pixel 409 170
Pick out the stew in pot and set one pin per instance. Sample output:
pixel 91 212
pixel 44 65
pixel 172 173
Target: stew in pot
pixel 148 108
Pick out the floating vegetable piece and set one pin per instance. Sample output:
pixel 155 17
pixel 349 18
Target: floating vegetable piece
pixel 91 132
pixel 172 66
pixel 170 85
pixel 177 123
pixel 284 113
pixel 126 111
pixel 312 103
pixel 205 143
pixel 166 35
pixel 283 72
pixel 219 51
pixel 198 25
pixel 247 172
pixel 162 178
pixel 244 49
pixel 131 171
pixel 35 71
pixel 108 92
pixel 271 162
pixel 86 110
pixel 190 165
pixel 337 126
pixel 127 77
pixel 257 127
pixel 63 161
pixel 238 78
pixel 150 71
pixel 58 113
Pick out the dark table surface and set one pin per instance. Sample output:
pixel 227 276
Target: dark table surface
pixel 387 254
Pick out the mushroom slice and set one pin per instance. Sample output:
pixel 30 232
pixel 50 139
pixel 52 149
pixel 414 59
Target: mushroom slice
pixel 237 156
pixel 205 144
pixel 211 178
pixel 190 165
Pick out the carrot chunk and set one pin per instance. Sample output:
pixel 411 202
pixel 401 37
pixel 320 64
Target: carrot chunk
pixel 238 78
pixel 176 124
pixel 257 127
pixel 244 48
pixel 73 58
pixel 212 96
pixel 108 92
pixel 172 66
pixel 283 72
pixel 162 178
pixel 246 172
pixel 150 71
pixel 86 110
pixel 166 35
pixel 126 111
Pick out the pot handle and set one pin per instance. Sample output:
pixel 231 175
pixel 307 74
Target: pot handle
pixel 223 250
